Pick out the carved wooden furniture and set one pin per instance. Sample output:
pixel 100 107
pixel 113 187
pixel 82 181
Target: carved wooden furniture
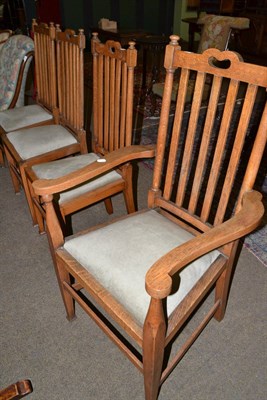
pixel 16 391
pixel 113 80
pixel 64 137
pixel 149 271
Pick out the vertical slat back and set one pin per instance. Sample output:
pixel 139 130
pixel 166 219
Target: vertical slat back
pixel 113 69
pixel 70 78
pixel 209 152
pixel 45 64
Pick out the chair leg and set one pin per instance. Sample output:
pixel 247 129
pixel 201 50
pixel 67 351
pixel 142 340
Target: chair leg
pixel 12 168
pixel 153 348
pixel 108 205
pixel 223 285
pixel 127 171
pixel 28 194
pixel 64 276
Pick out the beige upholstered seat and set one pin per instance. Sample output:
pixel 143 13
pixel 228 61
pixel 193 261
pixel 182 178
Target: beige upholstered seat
pixel 142 277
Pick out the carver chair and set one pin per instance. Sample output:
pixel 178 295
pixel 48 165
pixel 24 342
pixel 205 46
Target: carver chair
pixel 17 390
pixel 64 137
pixel 40 113
pixel 113 80
pixel 148 272
pixel 215 33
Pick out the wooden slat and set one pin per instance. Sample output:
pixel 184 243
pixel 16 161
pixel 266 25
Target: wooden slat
pixel 203 151
pixel 220 148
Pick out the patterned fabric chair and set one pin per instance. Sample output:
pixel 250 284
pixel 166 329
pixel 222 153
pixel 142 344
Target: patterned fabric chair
pixel 217 29
pixel 16 56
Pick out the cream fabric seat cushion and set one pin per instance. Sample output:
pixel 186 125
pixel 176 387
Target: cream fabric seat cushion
pixel 40 140
pixel 20 117
pixel 120 254
pixel 58 168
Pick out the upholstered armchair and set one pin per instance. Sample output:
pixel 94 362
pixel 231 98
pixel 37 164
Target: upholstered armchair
pixel 16 56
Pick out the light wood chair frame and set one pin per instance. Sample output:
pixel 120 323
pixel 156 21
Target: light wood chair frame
pixel 217 233
pixel 113 91
pixel 69 113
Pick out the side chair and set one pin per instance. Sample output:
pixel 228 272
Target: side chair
pixel 113 85
pixel 146 273
pixel 66 135
pixel 41 113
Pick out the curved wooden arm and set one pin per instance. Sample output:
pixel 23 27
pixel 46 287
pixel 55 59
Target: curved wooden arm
pixel 16 390
pixel 158 278
pixel 110 161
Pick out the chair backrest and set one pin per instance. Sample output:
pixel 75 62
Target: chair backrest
pixel 113 84
pixel 45 64
pixel 70 79
pixel 4 35
pixel 209 154
pixel 16 55
pixel 216 30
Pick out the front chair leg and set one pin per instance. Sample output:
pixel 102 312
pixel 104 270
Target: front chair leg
pixel 153 348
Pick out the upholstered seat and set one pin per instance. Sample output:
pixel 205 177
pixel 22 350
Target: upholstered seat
pixel 59 168
pixel 143 238
pixel 21 117
pixel 42 139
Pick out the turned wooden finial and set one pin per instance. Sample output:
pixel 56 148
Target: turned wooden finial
pixel 131 45
pixel 174 40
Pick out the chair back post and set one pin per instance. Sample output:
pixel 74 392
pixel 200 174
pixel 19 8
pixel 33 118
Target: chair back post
pixel 170 50
pixel 45 64
pixel 70 82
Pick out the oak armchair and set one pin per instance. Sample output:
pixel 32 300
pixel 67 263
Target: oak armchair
pixel 149 271
pixel 65 135
pixel 113 83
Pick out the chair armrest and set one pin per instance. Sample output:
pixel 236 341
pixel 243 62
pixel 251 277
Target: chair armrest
pixel 101 166
pixel 159 276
